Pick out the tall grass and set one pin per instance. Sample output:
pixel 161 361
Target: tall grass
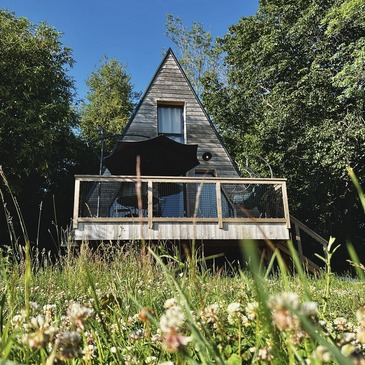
pixel 109 306
pixel 105 307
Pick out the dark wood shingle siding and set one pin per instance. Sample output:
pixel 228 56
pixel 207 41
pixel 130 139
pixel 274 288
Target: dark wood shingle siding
pixel 171 85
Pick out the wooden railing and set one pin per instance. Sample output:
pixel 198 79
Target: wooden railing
pixel 115 199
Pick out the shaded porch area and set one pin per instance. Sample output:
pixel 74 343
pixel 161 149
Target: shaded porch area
pixel 179 208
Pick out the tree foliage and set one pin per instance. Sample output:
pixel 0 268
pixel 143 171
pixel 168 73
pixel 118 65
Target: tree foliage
pixel 36 96
pixel 197 52
pixel 295 95
pixel 39 151
pixel 110 102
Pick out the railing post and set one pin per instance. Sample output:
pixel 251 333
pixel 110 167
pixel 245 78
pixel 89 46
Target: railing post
pixel 298 240
pixel 76 204
pixel 150 204
pixel 219 204
pixel 285 204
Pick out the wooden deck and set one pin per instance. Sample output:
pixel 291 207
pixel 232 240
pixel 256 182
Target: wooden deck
pixel 128 208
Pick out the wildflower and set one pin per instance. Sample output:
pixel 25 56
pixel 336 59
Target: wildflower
pixel 234 308
pixel 264 354
pixel 322 354
pixel 309 309
pixel 210 313
pixel 173 341
pixel 282 306
pixel 348 337
pixel 169 303
pixel 235 314
pixel 284 300
pixel 144 314
pixel 48 311
pixel 137 334
pixel 17 320
pixel 132 319
pixel 170 325
pixel 298 336
pixel 89 353
pixel 34 305
pixel 78 315
pixel 360 335
pixel 340 323
pixel 172 319
pixel 360 315
pixel 251 310
pixel 156 338
pixel 348 349
pixel 237 317
pixel 41 333
pixel 68 343
pixel 151 360
pixel 35 339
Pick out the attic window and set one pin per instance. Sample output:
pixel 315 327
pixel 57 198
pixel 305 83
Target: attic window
pixel 170 121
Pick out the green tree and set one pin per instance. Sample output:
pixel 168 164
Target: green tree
pixel 36 97
pixel 38 148
pixel 295 95
pixel 110 102
pixel 197 52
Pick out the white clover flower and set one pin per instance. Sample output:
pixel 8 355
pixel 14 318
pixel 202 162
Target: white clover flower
pixel 340 323
pixel 234 308
pixel 49 308
pixel 322 354
pixel 360 334
pixel 65 339
pixel 169 303
pixel 348 337
pixel 238 318
pixel 284 300
pixel 264 354
pixel 69 345
pixel 89 353
pixel 48 311
pixel 173 341
pixel 137 334
pixel 251 310
pixel 360 315
pixel 151 360
pixel 156 338
pixel 348 349
pixel 210 313
pixel 309 309
pixel 172 319
pixel 34 305
pixel 37 322
pixel 78 314
pixel 17 320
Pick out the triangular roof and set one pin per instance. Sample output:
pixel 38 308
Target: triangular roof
pixel 179 77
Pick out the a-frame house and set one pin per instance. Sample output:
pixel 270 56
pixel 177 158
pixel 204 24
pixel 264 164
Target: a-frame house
pixel 209 203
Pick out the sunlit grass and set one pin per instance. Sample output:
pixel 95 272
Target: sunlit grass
pixel 104 307
pixel 141 304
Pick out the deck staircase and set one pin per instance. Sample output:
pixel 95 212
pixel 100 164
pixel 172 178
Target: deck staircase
pixel 297 231
pixel 297 228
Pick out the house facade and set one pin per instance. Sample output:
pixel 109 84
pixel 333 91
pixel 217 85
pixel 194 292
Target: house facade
pixel 209 202
pixel 171 107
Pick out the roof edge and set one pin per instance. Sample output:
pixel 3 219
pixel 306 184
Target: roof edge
pixel 168 53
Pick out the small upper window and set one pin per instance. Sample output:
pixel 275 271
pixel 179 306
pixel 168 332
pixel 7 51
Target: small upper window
pixel 170 121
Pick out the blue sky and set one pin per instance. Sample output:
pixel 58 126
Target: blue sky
pixel 131 31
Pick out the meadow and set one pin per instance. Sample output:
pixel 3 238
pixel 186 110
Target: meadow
pixel 135 305
pixel 141 304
